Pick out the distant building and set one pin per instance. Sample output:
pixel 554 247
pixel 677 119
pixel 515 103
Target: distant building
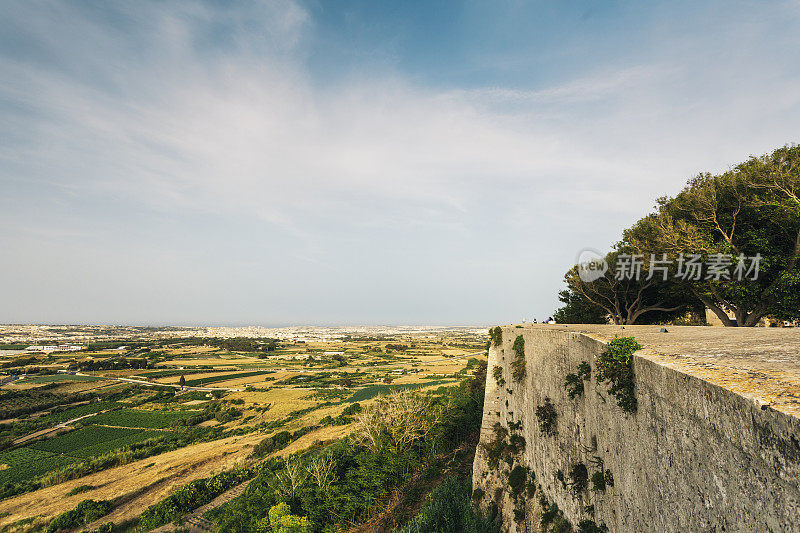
pixel 56 348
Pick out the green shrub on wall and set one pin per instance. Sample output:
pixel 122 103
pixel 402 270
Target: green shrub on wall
pixel 546 413
pixel 497 373
pixel 496 335
pixel 518 370
pixel 615 365
pixel 574 382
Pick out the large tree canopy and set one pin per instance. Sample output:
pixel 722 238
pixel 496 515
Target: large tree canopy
pixel 730 241
pixel 750 211
pixel 624 299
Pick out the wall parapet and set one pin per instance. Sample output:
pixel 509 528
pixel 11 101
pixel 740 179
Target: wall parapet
pixel 714 444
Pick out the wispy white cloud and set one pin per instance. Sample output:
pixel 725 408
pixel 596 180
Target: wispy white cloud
pixel 188 110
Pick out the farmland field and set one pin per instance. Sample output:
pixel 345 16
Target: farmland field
pixel 57 378
pixel 79 411
pixel 26 463
pixel 139 418
pixel 300 389
pixel 370 392
pixel 224 377
pixel 90 440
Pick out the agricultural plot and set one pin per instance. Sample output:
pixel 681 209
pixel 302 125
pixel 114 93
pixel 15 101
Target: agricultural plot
pixel 58 378
pixel 224 377
pixel 24 464
pixel 154 374
pixel 367 393
pixel 138 418
pixel 74 442
pixel 79 411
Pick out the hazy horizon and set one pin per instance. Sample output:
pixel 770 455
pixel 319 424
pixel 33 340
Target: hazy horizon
pixel 299 162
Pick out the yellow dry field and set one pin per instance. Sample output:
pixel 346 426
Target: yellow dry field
pixel 240 382
pixel 22 386
pixel 191 350
pixel 81 386
pixel 455 352
pixel 144 482
pixel 283 401
pixel 176 379
pixel 323 434
pixel 217 362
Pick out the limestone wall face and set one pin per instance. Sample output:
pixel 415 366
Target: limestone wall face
pixel 694 457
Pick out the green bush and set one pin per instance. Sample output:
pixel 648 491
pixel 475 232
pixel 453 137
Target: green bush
pixel 518 369
pixel 85 512
pixel 579 478
pixel 590 526
pixel 615 365
pixel 546 413
pixel 574 382
pixel 191 496
pixel 517 479
pixel 449 509
pixel 272 444
pixel 496 336
pixel 497 373
pixel 598 481
pixel 553 520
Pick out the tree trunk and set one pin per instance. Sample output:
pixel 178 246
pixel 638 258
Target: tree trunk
pixel 717 310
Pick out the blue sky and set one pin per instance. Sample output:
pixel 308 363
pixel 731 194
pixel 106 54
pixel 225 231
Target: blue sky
pixel 328 162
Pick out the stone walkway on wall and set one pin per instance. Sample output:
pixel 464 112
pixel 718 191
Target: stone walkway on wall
pixel 759 363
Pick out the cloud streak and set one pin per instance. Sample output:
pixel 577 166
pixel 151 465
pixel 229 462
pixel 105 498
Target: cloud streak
pixel 133 128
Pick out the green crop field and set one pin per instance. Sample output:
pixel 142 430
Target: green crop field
pixel 138 418
pixel 199 382
pixel 26 463
pixel 79 411
pixel 126 437
pixel 71 443
pixel 367 393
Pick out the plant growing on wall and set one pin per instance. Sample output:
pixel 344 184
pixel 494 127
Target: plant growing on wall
pixel 496 335
pixel 574 382
pixel 518 364
pixel 546 413
pixel 516 479
pixel 552 517
pixel 598 481
pixel 496 447
pixel 516 444
pixel 590 526
pixel 579 478
pixel 615 365
pixel 497 373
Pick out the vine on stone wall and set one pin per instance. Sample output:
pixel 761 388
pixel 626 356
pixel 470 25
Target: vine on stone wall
pixel 574 382
pixel 497 373
pixel 518 370
pixel 615 365
pixel 546 413
pixel 496 335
